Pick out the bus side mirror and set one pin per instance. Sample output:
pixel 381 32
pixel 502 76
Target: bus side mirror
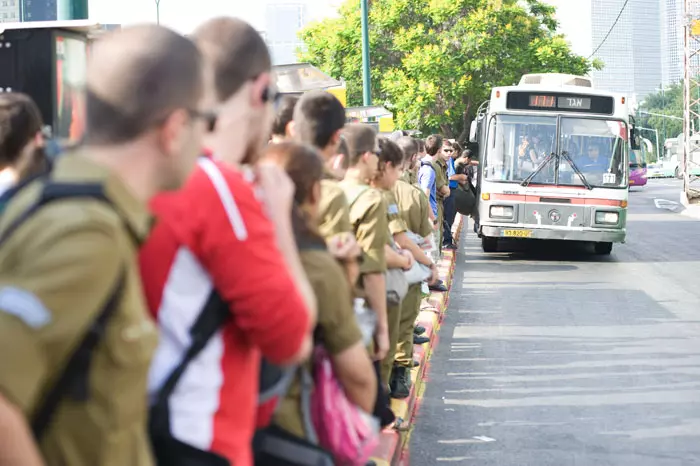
pixel 634 139
pixel 472 131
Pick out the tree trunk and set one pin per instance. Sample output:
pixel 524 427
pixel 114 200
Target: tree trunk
pixel 466 122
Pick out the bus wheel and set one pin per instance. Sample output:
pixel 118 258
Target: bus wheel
pixel 489 244
pixel 678 172
pixel 603 248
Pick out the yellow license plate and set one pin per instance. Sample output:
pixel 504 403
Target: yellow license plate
pixel 517 233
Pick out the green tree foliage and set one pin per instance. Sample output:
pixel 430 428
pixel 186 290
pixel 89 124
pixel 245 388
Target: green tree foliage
pixel 666 102
pixel 434 61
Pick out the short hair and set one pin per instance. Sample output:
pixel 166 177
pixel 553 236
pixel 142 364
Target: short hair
pixel 389 152
pixel 284 115
pixel 466 154
pixel 408 146
pixel 234 50
pixel 433 144
pixel 20 121
pixel 421 144
pixel 343 150
pixel 360 139
pixel 317 117
pixel 136 78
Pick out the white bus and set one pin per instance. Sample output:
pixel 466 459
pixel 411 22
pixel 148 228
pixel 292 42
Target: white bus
pixel 553 157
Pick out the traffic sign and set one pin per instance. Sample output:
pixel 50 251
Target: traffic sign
pixel 695 27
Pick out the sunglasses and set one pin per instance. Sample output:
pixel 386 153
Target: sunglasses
pixel 269 95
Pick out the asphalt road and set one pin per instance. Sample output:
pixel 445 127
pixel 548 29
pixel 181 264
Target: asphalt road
pixel 550 355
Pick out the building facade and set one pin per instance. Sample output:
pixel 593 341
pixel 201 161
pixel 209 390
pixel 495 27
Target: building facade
pixel 10 11
pixel 671 41
pixel 283 21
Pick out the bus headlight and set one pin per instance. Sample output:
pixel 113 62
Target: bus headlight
pixel 500 211
pixel 610 218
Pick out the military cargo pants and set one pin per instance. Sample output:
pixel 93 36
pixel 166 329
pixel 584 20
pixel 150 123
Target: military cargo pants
pixel 394 321
pixel 410 308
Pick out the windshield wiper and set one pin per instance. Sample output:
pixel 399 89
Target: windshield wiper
pixel 537 171
pixel 568 158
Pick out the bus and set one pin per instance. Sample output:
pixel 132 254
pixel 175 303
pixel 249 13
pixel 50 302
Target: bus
pixel 554 156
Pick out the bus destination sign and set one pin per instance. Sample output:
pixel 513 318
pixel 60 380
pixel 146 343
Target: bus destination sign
pixel 518 100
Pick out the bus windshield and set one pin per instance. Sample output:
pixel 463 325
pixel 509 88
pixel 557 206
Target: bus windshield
pixel 588 152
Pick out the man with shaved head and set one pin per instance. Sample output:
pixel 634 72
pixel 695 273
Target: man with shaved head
pixel 75 337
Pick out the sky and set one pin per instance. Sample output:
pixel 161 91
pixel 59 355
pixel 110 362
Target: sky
pixel 185 15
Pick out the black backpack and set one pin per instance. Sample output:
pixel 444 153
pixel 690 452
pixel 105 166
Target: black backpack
pixel 74 379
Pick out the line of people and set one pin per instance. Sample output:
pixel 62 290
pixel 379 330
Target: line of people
pixel 252 305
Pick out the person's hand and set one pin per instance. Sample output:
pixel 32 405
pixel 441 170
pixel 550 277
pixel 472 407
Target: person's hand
pixel 409 258
pixel 344 246
pixel 277 187
pixel 381 343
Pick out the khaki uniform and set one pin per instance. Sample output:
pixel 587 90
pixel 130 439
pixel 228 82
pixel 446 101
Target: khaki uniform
pixel 368 220
pixel 396 225
pixel 336 320
pixel 440 180
pixel 333 209
pixel 409 177
pixel 414 209
pixel 65 260
pixel 369 224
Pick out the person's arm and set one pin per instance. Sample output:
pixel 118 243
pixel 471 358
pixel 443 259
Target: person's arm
pixel 459 178
pixel 342 337
pixel 278 190
pixel 405 243
pixel 373 235
pixel 17 446
pixel 426 179
pixel 353 368
pixel 239 249
pixel 396 260
pixel 67 271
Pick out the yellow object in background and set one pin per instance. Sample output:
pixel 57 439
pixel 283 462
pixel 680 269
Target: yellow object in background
pixel 386 124
pixel 341 93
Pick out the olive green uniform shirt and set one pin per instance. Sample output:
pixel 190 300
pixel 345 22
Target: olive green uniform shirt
pixel 440 177
pixel 368 218
pixel 336 322
pixel 413 207
pixel 57 271
pixel 333 209
pixel 396 222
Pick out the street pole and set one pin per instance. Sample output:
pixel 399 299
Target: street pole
pixel 366 84
pixel 657 143
pixel 157 11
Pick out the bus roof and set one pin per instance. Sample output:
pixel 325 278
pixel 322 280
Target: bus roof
pixel 80 25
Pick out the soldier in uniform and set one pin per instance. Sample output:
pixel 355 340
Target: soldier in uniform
pixel 414 210
pixel 319 118
pixel 337 324
pixel 74 260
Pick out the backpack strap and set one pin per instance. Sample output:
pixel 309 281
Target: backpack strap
pixel 55 191
pixel 74 379
pixel 212 318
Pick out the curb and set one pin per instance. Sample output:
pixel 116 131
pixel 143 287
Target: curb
pixel 393 447
pixel 691 210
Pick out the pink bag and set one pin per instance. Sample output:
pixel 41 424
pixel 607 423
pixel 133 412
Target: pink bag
pixel 343 429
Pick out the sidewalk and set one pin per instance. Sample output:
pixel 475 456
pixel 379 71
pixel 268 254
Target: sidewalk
pixel 393 450
pixel 691 210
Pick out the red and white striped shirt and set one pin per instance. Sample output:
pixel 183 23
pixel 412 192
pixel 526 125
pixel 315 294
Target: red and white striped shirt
pixel 214 234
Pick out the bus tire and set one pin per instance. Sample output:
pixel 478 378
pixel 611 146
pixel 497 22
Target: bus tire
pixel 489 244
pixel 677 173
pixel 603 249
